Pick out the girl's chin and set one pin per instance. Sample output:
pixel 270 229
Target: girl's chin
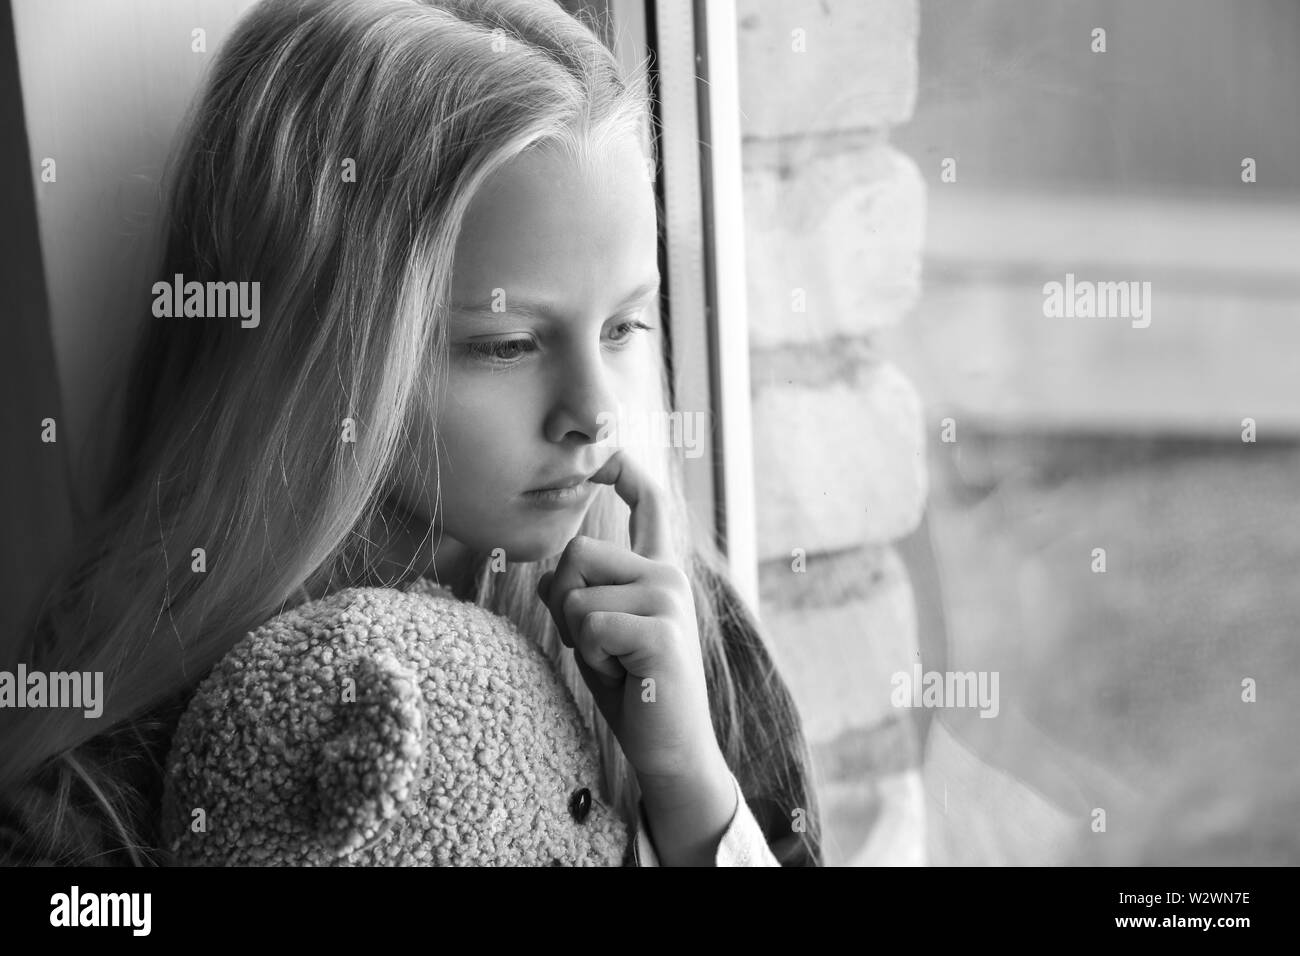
pixel 545 540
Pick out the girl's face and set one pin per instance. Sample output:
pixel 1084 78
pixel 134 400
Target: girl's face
pixel 553 327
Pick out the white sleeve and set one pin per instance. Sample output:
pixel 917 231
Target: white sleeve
pixel 743 843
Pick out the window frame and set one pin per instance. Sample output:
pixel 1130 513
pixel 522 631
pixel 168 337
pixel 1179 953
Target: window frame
pixel 694 80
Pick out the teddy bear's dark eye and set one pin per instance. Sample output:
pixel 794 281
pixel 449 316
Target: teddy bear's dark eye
pixel 580 804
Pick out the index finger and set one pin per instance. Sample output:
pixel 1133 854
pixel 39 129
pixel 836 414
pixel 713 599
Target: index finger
pixel 649 521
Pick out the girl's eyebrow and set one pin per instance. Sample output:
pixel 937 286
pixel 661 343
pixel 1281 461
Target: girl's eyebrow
pixel 535 309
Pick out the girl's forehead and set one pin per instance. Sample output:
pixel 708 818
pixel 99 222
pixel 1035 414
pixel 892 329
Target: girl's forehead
pixel 553 225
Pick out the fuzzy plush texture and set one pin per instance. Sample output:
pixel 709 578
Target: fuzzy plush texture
pixel 461 746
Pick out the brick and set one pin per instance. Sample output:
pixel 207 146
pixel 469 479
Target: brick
pixel 843 222
pixel 889 748
pixel 858 69
pixel 837 465
pixel 829 578
pixel 983 349
pixel 838 659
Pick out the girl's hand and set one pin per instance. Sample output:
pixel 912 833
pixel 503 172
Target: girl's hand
pixel 630 618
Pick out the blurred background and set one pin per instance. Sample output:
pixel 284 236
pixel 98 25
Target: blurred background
pixel 921 171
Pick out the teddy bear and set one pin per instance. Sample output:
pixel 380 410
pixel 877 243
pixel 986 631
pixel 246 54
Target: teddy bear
pixel 387 727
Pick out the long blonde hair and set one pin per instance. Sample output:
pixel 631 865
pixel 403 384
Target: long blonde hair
pixel 231 436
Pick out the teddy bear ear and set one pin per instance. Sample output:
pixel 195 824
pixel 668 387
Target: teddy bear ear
pixel 367 766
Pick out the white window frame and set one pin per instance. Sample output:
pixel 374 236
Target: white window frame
pixel 700 178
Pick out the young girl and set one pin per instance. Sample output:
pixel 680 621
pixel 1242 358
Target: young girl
pixel 447 212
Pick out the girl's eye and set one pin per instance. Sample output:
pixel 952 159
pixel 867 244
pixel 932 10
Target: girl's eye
pixel 505 352
pixel 502 350
pixel 628 329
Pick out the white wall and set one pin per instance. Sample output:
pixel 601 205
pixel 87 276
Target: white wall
pixel 104 87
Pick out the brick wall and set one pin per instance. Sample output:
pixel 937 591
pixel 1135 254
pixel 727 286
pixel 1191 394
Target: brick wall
pixel 834 226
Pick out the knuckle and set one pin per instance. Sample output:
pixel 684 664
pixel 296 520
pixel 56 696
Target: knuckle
pixel 667 635
pixel 678 586
pixel 572 602
pixel 672 631
pixel 676 578
pixel 589 628
pixel 665 603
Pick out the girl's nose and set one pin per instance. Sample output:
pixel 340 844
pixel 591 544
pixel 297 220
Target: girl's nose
pixel 585 399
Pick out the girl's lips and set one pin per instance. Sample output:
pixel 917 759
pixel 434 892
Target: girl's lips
pixel 568 481
pixel 559 497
